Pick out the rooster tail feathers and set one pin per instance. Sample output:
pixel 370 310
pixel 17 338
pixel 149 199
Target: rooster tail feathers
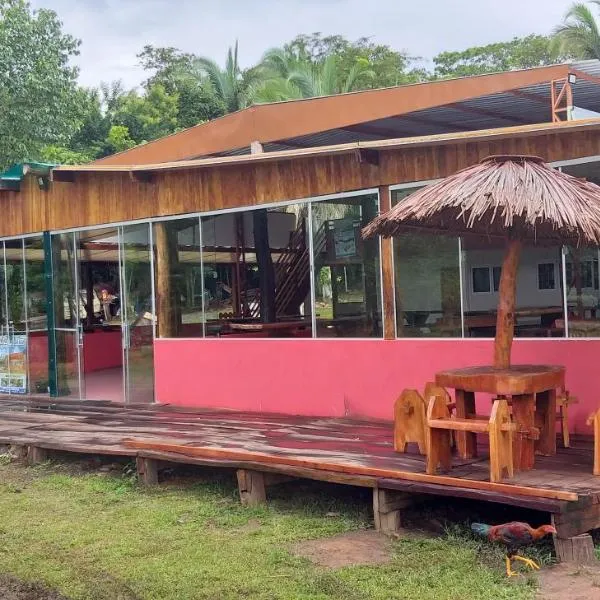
pixel 481 528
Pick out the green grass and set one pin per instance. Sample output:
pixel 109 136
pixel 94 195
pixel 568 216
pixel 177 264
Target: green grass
pixel 95 536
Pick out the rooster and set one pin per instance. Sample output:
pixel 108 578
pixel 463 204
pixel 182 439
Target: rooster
pixel 514 535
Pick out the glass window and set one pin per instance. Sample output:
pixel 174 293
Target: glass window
pixel 15 284
pixel 583 297
pixel 481 279
pixel 346 268
pixel 178 268
pixel 256 273
pixel 37 326
pixel 546 276
pixel 496 273
pixel 539 304
pixel 427 283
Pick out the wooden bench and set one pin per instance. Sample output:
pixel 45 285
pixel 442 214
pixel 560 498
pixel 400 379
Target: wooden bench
pixel 594 419
pixel 499 427
pixel 563 400
pixel 409 421
pixel 410 414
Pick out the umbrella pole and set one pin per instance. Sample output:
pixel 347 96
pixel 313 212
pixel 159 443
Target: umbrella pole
pixel 505 321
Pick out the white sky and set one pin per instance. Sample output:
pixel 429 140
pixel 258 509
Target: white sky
pixel 114 31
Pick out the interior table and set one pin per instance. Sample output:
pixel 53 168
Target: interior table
pixel 532 391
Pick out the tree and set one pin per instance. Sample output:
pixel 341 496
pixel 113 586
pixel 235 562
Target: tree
pixel 288 77
pixel 518 53
pixel 176 71
pixel 389 67
pixel 579 34
pixel 37 83
pixel 148 116
pixel 232 86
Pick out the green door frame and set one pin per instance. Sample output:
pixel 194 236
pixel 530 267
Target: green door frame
pixel 50 315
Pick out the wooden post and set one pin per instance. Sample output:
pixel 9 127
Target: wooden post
pixel 466 441
pixel 251 486
pixel 578 549
pixel 386 509
pixel 387 269
pixel 18 451
pixel 147 470
pixel 505 322
pixel 166 293
pixel 264 261
pixel 36 455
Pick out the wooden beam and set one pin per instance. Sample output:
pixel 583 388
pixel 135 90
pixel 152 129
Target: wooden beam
pixel 578 550
pixel 36 455
pixel 387 505
pixel 141 176
pixel 64 176
pixel 369 156
pixel 251 485
pixel 261 457
pixel 147 470
pixel 387 268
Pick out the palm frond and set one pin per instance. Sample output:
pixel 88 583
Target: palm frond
pixel 328 76
pixel 579 34
pixel 303 78
pixel 359 72
pixel 276 89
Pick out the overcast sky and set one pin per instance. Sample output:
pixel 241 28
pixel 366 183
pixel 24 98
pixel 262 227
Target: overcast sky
pixel 114 31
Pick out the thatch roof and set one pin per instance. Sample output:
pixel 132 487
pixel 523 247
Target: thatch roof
pixel 502 196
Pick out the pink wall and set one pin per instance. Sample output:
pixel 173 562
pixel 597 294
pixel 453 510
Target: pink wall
pixel 102 350
pixel 346 377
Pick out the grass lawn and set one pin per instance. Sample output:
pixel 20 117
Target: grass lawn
pixel 94 535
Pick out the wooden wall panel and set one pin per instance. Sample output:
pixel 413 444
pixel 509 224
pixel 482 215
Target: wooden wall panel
pixel 99 198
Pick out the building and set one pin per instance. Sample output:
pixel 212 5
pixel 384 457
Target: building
pixel 223 266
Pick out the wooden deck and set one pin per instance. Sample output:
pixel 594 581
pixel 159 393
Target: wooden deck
pixel 346 451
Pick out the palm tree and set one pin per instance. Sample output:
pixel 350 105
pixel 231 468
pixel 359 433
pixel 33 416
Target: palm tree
pixel 290 77
pixel 232 85
pixel 579 35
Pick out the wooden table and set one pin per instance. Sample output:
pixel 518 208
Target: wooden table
pixel 532 390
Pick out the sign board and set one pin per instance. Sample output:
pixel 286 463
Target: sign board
pixel 344 238
pixel 13 364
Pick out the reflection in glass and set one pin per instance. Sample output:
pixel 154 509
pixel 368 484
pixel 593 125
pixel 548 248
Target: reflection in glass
pixel 427 286
pixel 539 305
pixel 66 315
pixel 37 334
pixel 178 270
pixel 582 291
pixel 138 313
pixel 256 273
pixel 15 284
pixel 346 268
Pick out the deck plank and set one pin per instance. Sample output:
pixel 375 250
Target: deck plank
pixel 102 427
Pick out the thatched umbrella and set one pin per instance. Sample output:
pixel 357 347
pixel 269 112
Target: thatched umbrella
pixel 516 198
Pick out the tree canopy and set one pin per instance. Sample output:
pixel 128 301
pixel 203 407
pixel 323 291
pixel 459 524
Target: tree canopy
pixel 38 85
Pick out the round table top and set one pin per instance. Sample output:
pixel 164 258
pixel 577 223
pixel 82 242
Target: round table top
pixel 515 380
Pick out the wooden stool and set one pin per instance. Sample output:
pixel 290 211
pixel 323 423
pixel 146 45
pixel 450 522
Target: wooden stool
pixel 563 400
pixel 409 421
pixel 498 426
pixel 594 419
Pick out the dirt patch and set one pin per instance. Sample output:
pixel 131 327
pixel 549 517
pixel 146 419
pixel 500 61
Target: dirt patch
pixel 354 548
pixel 13 589
pixel 569 582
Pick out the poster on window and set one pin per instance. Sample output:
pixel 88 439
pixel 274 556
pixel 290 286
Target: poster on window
pixel 344 238
pixel 13 364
